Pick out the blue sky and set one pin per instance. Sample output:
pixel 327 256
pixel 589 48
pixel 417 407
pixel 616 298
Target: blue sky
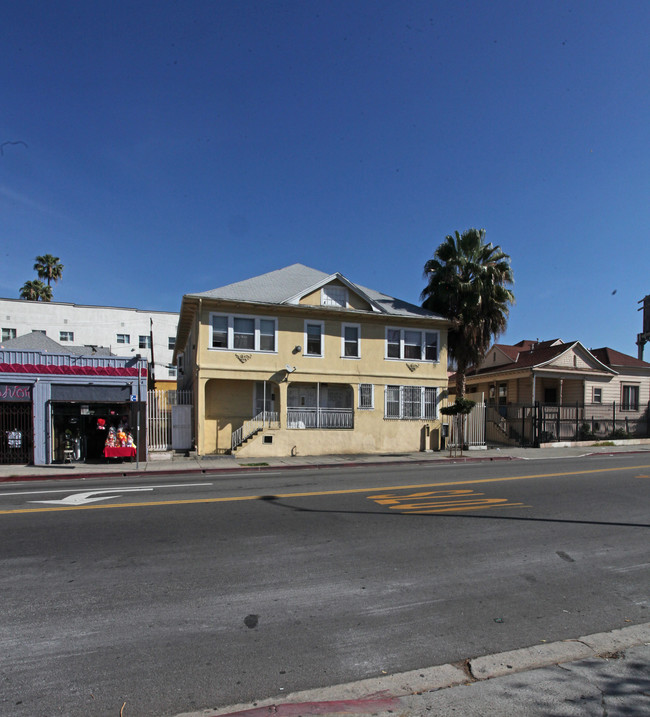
pixel 165 148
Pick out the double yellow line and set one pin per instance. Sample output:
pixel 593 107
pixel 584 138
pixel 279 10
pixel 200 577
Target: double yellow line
pixel 231 499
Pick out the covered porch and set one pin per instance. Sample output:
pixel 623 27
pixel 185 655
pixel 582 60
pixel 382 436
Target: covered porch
pixel 320 406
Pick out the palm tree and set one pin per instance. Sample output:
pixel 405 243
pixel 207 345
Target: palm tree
pixel 48 267
pixel 467 282
pixel 35 290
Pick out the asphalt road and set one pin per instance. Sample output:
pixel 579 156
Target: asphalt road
pixel 177 594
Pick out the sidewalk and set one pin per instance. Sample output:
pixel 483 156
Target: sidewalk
pixel 217 464
pixel 602 674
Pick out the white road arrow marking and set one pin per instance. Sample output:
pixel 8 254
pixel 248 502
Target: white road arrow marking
pixel 88 497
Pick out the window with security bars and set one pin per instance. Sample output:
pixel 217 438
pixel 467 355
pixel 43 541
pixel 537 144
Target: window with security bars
pixel 410 403
pixel 366 396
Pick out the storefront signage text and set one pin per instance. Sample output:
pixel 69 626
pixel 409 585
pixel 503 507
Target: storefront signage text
pixel 13 392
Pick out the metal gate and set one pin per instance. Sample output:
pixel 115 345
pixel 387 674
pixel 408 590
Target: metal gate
pixel 159 416
pixel 16 433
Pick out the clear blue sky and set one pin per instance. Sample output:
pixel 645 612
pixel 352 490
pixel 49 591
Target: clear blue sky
pixel 173 147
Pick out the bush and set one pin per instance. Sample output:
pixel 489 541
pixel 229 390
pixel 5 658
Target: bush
pixel 585 433
pixel 619 433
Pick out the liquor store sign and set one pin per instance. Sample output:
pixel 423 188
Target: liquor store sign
pixel 15 392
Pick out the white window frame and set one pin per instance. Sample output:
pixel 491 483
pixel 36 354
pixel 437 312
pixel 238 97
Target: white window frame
pixel 172 371
pixel 423 344
pixel 334 296
pixel 322 339
pixel 351 326
pixel 405 396
pixel 171 343
pixel 371 388
pixel 597 396
pixel 144 341
pixel 8 334
pixel 230 333
pixel 126 339
pixel 66 336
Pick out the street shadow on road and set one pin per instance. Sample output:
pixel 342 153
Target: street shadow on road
pixel 274 500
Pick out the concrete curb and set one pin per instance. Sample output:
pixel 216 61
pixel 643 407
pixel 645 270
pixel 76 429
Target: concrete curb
pixel 444 676
pixel 243 468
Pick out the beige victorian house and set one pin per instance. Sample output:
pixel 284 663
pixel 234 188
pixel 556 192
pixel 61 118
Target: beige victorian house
pixel 550 390
pixel 302 362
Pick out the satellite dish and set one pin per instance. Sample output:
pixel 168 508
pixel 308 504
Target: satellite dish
pixel 289 368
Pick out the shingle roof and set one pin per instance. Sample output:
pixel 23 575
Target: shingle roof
pixel 611 357
pixel 37 341
pixel 529 354
pixel 278 287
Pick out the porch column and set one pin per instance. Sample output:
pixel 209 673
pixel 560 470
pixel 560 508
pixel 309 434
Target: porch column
pixel 283 387
pixel 199 413
pixel 534 388
pixel 560 392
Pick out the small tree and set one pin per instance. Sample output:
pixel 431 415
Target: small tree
pixel 458 410
pixel 35 291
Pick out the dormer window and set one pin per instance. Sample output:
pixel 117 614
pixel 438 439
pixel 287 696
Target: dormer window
pixel 334 296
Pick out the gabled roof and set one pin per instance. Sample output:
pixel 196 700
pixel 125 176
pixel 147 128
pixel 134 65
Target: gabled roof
pixel 37 341
pixel 288 285
pixel 610 357
pixel 537 354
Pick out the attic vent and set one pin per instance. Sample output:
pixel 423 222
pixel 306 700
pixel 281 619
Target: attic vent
pixel 334 296
pixel 267 439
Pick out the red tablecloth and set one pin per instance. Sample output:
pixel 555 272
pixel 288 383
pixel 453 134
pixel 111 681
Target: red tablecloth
pixel 119 452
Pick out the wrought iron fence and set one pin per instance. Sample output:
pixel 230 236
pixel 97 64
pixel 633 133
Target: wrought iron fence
pixel 532 424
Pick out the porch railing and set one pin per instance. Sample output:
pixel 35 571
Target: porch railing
pixel 252 426
pixel 320 418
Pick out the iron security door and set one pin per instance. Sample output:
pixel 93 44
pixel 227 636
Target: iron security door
pixel 16 443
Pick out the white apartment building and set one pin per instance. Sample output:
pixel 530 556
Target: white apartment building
pixel 125 331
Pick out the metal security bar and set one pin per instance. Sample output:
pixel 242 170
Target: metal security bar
pixel 159 416
pixel 16 434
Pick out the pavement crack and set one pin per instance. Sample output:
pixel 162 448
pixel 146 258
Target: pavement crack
pixel 466 667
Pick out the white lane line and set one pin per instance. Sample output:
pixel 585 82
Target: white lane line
pixel 107 490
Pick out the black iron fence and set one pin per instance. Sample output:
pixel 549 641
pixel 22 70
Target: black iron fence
pixel 533 424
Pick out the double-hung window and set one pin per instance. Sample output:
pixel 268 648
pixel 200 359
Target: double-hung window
pixel 350 341
pixel 314 338
pixel 8 334
pixel 410 403
pixel 123 339
pixel 66 335
pixel 630 398
pixel 243 333
pixel 144 341
pixel 366 396
pixel 411 344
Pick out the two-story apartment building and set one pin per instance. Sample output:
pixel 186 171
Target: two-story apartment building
pixel 124 331
pixel 301 362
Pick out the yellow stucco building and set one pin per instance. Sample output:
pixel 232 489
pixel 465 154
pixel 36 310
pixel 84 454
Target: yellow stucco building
pixel 301 362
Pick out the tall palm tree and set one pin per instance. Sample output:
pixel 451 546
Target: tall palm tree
pixel 467 282
pixel 35 291
pixel 48 267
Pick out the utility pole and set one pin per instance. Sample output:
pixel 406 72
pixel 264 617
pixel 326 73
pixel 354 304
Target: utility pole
pixel 644 336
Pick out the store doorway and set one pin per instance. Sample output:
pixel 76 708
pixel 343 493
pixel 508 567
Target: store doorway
pixel 79 431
